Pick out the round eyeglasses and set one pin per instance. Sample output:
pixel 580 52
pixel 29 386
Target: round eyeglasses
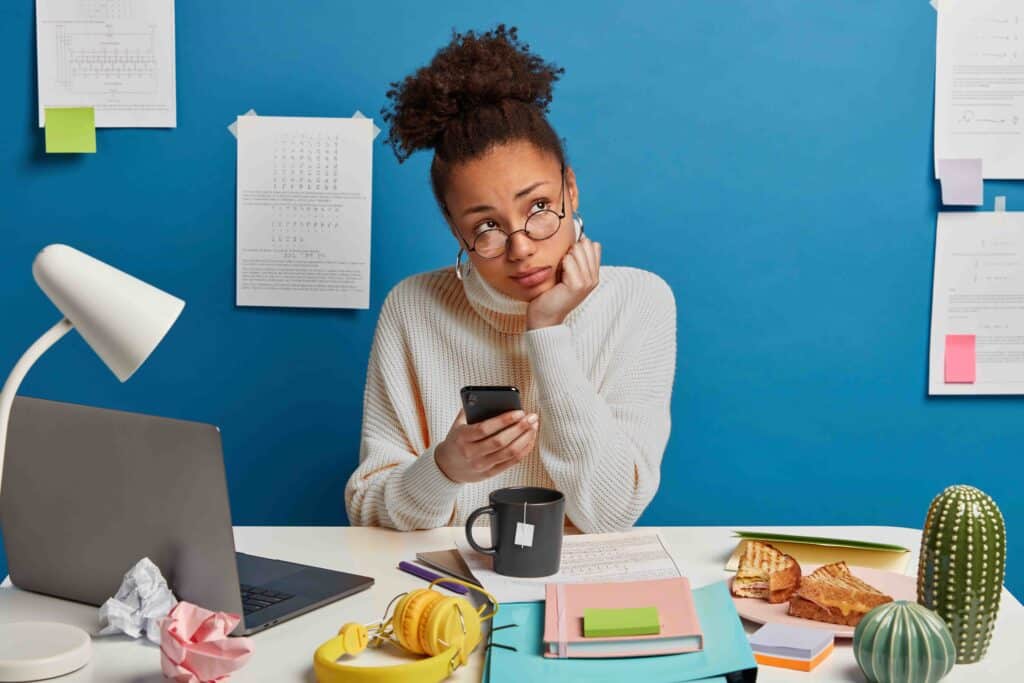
pixel 539 225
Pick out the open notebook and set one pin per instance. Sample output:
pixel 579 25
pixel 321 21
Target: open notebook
pixel 514 652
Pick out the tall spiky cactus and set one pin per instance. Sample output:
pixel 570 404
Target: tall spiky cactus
pixel 961 568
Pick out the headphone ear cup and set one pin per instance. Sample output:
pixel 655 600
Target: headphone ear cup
pixel 408 614
pixel 440 629
pixel 450 622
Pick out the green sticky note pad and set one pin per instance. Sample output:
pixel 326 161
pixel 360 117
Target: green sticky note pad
pixel 70 130
pixel 625 621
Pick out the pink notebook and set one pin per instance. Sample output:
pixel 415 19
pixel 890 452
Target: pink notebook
pixel 563 618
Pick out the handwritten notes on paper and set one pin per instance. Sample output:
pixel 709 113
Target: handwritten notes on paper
pixel 116 56
pixel 624 556
pixel 977 335
pixel 979 102
pixel 304 192
pixel 70 130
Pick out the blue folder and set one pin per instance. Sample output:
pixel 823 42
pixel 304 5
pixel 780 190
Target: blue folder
pixel 726 656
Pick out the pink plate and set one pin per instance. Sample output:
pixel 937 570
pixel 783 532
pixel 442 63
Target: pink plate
pixel 899 586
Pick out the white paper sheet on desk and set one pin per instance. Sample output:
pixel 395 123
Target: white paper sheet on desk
pixel 979 84
pixel 116 56
pixel 978 289
pixel 586 558
pixel 304 191
pixel 142 600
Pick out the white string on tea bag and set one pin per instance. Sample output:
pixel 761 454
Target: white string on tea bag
pixel 524 532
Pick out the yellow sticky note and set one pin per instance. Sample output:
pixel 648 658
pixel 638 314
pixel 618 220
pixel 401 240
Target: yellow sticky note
pixel 70 129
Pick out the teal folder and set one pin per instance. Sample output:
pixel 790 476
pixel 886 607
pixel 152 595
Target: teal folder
pixel 726 655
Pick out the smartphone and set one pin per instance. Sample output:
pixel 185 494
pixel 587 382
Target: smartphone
pixel 483 403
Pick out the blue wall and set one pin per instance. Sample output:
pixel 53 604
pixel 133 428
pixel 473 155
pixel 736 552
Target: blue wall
pixel 771 160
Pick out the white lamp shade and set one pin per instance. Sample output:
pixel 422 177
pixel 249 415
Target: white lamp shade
pixel 121 317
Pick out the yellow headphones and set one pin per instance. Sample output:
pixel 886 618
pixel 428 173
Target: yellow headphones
pixel 425 622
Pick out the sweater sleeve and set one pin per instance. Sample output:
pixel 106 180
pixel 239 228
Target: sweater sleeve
pixel 397 483
pixel 602 446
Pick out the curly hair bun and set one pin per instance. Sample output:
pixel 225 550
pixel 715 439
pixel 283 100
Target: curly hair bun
pixel 473 72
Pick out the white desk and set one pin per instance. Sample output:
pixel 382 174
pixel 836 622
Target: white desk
pixel 284 653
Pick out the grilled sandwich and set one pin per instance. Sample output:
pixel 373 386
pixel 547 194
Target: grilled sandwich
pixel 765 573
pixel 833 595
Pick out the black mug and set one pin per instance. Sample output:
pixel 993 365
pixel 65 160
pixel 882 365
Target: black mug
pixel 527 523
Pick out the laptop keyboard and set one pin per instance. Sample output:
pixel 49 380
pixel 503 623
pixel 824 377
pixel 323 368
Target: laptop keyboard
pixel 254 599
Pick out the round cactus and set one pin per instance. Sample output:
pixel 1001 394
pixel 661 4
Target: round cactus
pixel 902 642
pixel 961 568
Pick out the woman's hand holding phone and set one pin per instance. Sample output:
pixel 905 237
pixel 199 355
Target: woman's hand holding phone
pixel 474 452
pixel 579 275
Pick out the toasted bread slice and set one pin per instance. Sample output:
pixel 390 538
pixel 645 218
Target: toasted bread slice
pixel 840 570
pixel 765 573
pixel 833 595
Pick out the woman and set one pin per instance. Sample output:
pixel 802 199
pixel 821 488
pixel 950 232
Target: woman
pixel 591 348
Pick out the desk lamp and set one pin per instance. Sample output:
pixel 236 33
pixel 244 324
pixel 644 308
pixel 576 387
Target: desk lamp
pixel 122 319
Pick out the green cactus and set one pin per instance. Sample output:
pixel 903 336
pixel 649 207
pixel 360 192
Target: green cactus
pixel 961 568
pixel 902 642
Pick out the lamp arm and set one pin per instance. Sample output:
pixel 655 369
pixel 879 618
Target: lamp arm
pixel 21 368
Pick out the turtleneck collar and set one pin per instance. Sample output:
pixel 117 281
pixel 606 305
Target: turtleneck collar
pixel 499 310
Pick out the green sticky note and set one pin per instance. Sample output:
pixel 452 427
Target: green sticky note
pixel 625 621
pixel 70 129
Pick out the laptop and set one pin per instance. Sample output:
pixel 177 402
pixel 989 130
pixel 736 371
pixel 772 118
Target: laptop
pixel 88 492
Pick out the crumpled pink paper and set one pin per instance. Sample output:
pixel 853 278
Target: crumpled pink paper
pixel 195 647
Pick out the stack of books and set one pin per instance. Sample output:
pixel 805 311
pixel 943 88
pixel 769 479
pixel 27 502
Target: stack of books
pixel 701 627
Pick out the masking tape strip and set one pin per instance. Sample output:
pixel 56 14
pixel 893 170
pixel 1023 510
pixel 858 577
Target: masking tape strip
pixel 233 128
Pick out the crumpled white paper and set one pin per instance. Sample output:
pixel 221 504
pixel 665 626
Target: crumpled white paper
pixel 142 600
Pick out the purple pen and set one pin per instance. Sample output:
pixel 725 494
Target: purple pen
pixel 428 575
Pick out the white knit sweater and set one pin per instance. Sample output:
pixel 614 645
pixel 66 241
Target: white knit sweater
pixel 601 383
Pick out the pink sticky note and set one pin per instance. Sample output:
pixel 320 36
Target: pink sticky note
pixel 961 181
pixel 960 359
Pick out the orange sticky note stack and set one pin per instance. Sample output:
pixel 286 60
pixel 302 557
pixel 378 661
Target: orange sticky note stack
pixel 800 648
pixel 960 359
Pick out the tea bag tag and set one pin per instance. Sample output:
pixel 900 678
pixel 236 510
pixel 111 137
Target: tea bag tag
pixel 524 532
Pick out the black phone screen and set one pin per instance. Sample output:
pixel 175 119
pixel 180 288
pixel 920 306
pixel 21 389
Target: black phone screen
pixel 484 402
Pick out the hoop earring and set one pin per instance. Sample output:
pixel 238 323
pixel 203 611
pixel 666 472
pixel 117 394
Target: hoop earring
pixel 578 222
pixel 458 265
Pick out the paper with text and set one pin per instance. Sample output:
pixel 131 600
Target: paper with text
pixel 304 194
pixel 978 289
pixel 624 556
pixel 114 55
pixel 979 74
